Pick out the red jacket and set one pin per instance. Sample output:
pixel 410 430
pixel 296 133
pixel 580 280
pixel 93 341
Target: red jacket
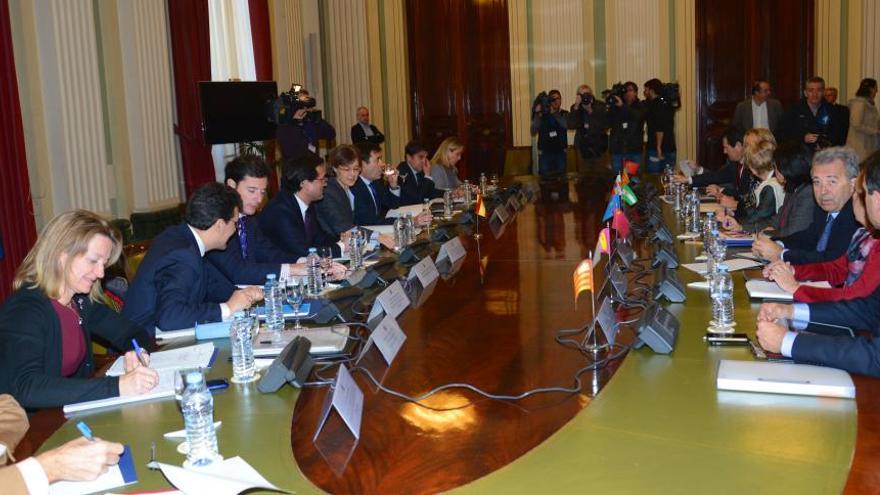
pixel 835 273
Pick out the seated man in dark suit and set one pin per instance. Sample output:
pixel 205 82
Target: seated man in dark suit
pixel 416 184
pixel 372 196
pixel 290 220
pixel 834 174
pixel 730 183
pixel 812 122
pixel 250 256
pixel 858 355
pixel 363 130
pixel 175 287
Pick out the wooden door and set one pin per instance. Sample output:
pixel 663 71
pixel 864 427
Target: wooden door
pixel 459 69
pixel 738 42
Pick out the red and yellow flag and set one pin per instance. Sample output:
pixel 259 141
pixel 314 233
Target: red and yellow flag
pixel 583 278
pixel 603 245
pixel 480 208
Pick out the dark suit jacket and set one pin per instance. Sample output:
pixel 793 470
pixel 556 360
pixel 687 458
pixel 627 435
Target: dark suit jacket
pixel 799 121
pixel 334 210
pixel 743 119
pixel 282 222
pixel 174 287
pixel 802 245
pixel 262 258
pixel 857 355
pixel 370 212
pixel 358 135
pixel 734 178
pixel 797 211
pixel 415 191
pixel 30 350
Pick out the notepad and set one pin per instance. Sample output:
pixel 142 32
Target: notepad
pixel 767 289
pixel 194 356
pixel 164 389
pixel 784 378
pixel 413 210
pixel 119 475
pixel 732 265
pixel 228 477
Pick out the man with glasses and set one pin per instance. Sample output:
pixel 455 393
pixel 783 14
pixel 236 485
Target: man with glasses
pixel 290 220
pixel 552 136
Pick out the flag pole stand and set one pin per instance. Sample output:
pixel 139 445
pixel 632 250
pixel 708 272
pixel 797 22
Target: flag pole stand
pixel 477 234
pixel 594 346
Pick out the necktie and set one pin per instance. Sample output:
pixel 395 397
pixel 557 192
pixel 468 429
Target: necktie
pixel 309 223
pixel 242 237
pixel 374 193
pixel 826 234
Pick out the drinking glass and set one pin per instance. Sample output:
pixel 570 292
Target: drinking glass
pixel 295 297
pixel 326 255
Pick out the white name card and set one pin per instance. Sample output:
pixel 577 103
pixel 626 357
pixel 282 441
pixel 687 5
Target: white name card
pixel 393 300
pixel 425 270
pixel 348 400
pixel 452 249
pixel 389 338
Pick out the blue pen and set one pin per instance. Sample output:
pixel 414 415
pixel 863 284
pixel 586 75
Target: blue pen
pixel 138 351
pixel 85 430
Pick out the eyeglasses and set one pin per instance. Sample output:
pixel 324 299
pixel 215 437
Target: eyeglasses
pixel 348 170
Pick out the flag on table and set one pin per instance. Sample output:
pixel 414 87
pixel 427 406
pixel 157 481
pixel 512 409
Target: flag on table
pixel 620 223
pixel 613 204
pixel 583 278
pixel 603 245
pixel 484 262
pixel 480 208
pixel 631 167
pixel 624 178
pixel 629 197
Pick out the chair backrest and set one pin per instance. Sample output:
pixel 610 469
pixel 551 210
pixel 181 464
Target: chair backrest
pixel 148 225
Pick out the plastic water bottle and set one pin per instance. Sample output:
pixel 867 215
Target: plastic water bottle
pixel 709 224
pixel 355 249
pixel 410 225
pixel 721 291
pixel 400 235
pixel 313 271
pixel 198 419
pixel 447 204
pixel 693 222
pixel 468 194
pixel 242 344
pixel 667 180
pixel 676 197
pixel 273 302
pixel 484 184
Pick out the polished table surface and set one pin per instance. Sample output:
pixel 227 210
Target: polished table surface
pixel 658 423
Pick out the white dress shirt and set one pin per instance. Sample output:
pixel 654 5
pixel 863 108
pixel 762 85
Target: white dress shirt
pixel 759 116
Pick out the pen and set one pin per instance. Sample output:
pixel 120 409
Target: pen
pixel 138 351
pixel 85 430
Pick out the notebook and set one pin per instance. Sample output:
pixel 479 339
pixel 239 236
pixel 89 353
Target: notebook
pixel 767 289
pixel 784 378
pixel 194 356
pixel 165 388
pixel 119 475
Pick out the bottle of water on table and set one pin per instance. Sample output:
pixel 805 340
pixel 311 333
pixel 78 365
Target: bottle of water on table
pixel 241 340
pixel 198 419
pixel 721 291
pixel 313 272
pixel 274 301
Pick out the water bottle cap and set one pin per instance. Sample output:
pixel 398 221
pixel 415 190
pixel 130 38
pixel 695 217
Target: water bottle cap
pixel 238 314
pixel 194 377
pixel 270 276
pixel 313 250
pixel 710 214
pixel 722 268
pixel 714 231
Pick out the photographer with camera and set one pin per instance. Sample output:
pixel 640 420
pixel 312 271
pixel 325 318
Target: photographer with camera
pixel 549 123
pixel 812 123
pixel 627 122
pixel 300 124
pixel 588 119
pixel 663 100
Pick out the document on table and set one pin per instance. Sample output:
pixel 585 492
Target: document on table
pixel 228 477
pixel 784 378
pixel 404 210
pixel 707 207
pixel 194 356
pixel 119 475
pixel 767 289
pixel 732 265
pixel 165 388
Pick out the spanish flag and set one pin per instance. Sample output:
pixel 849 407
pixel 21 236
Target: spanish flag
pixel 583 278
pixel 480 208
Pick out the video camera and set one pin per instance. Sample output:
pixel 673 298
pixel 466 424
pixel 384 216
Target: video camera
pixel 670 94
pixel 543 99
pixel 290 102
pixel 616 91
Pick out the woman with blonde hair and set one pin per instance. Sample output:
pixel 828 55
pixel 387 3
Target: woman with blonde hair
pixel 767 196
pixel 443 164
pixel 47 324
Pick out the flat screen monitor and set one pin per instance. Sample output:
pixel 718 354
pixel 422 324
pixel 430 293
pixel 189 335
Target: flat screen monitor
pixel 237 111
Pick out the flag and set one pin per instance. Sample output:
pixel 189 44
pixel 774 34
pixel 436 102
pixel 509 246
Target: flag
pixel 631 167
pixel 629 197
pixel 484 262
pixel 603 245
pixel 620 223
pixel 480 208
pixel 624 178
pixel 612 205
pixel 583 278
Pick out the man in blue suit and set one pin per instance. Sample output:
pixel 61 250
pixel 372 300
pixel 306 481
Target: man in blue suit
pixel 290 220
pixel 416 184
pixel 250 256
pixel 175 287
pixel 834 174
pixel 372 197
pixel 859 354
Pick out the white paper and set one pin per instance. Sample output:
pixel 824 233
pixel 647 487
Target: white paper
pixel 732 265
pixel 768 289
pixel 707 207
pixel 425 270
pixel 393 299
pixel 111 479
pixel 389 338
pixel 415 210
pixel 381 229
pixel 688 236
pixel 348 401
pixel 182 433
pixel 165 388
pixel 175 334
pixel 452 249
pixel 228 477
pixel 194 356
pixel 784 378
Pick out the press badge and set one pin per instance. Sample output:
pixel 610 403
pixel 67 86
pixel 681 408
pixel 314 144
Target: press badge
pixel 625 125
pixel 552 134
pixel 587 125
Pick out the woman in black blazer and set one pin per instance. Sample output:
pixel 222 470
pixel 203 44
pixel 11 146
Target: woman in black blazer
pixel 46 325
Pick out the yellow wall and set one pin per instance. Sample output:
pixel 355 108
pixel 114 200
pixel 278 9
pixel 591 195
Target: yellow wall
pixel 847 37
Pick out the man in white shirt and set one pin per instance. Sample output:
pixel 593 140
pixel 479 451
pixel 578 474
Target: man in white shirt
pixel 759 110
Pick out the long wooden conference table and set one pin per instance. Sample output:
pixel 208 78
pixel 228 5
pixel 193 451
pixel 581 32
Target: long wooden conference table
pixel 646 423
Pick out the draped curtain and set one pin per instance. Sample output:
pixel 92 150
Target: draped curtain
pixel 17 228
pixel 191 58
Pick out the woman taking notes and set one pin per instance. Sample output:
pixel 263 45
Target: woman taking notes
pixel 47 324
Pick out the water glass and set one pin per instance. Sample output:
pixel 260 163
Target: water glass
pixel 295 296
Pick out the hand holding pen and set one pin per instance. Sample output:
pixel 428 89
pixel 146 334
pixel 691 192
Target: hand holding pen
pixel 139 377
